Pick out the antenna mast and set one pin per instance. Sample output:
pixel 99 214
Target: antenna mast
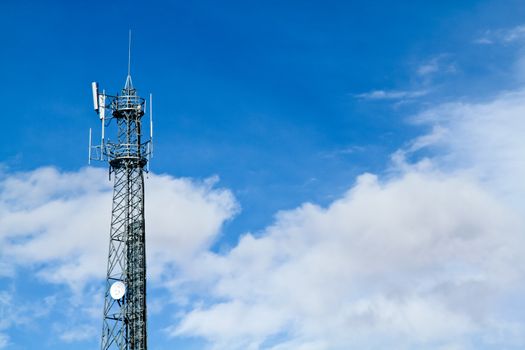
pixel 124 322
pixel 129 54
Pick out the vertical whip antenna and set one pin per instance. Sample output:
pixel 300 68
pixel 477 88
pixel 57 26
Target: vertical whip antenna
pixel 151 123
pixel 129 54
pixel 151 116
pixel 129 84
pixel 89 149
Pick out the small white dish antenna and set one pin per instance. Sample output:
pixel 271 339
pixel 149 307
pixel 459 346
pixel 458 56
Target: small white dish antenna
pixel 117 290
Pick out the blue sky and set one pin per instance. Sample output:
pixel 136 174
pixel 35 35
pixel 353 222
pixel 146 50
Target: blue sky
pixel 261 107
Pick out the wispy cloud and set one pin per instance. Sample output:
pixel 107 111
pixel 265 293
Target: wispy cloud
pixel 484 41
pixel 4 340
pixel 504 36
pixel 438 64
pixel 343 151
pixel 76 333
pixel 16 312
pixel 391 94
pixel 516 33
pixel 424 74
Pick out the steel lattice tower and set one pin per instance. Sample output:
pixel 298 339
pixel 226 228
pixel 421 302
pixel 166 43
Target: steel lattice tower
pixel 124 322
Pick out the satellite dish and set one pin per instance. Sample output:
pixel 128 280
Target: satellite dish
pixel 117 290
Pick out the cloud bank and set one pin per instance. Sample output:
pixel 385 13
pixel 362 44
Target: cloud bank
pixel 431 256
pixel 58 222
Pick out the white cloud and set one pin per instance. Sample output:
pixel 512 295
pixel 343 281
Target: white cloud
pixel 485 139
pixel 62 219
pixel 427 258
pixel 388 261
pixel 57 224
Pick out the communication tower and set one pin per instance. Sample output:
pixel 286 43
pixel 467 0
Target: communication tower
pixel 121 115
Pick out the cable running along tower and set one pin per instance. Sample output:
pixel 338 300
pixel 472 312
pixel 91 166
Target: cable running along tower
pixel 124 322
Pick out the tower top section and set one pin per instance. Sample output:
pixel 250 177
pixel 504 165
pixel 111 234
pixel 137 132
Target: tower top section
pixel 130 146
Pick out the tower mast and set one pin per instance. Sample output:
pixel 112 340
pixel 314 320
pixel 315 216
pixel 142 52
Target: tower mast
pixel 124 321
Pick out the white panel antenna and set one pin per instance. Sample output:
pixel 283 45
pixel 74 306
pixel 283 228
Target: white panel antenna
pixel 94 88
pixel 151 122
pixel 89 149
pixel 99 104
pixel 102 105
